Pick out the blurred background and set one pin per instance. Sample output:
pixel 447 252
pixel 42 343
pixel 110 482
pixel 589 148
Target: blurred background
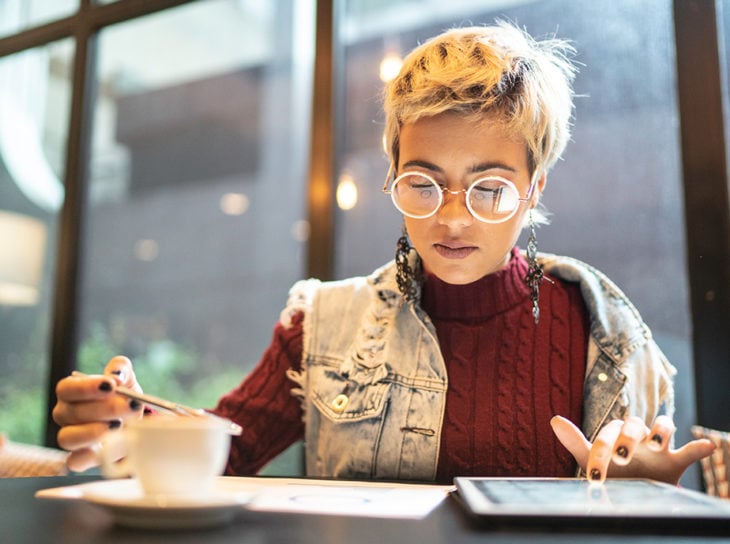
pixel 191 155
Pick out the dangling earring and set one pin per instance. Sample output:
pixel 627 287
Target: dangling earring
pixel 408 278
pixel 534 271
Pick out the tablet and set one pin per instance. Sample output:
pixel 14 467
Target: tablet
pixel 572 502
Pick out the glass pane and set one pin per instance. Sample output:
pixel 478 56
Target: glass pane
pixel 17 15
pixel 625 150
pixel 196 202
pixel 723 19
pixel 35 92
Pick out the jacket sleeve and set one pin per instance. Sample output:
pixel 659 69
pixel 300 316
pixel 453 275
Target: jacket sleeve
pixel 641 385
pixel 650 383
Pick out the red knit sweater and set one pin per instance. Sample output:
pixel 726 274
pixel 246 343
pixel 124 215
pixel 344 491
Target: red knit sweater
pixel 507 378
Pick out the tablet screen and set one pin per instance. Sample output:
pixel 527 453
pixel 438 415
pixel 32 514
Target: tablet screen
pixel 620 499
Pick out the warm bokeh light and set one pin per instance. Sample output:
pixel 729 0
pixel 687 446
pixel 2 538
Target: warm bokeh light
pixel 346 192
pixel 390 66
pixel 234 203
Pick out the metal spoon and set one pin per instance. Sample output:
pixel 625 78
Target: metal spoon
pixel 169 406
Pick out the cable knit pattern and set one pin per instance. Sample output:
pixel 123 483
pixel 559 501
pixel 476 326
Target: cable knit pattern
pixel 525 384
pixel 508 377
pixel 559 368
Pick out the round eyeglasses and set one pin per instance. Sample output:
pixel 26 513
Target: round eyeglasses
pixel 491 199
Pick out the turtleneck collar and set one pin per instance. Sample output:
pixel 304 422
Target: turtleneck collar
pixel 491 295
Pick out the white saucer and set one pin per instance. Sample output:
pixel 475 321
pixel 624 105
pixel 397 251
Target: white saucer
pixel 129 506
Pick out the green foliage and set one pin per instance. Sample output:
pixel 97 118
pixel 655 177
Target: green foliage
pixel 96 350
pixel 23 414
pixel 165 369
pixel 23 390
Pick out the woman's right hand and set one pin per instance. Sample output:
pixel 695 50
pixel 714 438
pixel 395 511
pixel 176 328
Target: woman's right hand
pixel 86 408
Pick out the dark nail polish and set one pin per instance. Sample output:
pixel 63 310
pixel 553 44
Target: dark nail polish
pixel 135 405
pixel 595 474
pixel 105 386
pixel 657 438
pixel 622 451
pixel 115 423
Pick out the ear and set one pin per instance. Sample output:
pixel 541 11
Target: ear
pixel 539 188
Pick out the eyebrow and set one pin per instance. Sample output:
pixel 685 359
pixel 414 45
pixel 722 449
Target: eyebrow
pixel 475 169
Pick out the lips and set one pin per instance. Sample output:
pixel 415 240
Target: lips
pixel 454 250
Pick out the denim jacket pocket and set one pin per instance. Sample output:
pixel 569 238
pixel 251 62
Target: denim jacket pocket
pixel 342 400
pixel 344 425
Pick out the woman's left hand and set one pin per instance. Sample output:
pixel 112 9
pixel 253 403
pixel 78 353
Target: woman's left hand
pixel 629 449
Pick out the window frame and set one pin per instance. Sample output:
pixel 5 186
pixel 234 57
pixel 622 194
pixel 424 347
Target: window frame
pixel 702 131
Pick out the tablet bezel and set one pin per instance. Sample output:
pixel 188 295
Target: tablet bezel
pixel 710 514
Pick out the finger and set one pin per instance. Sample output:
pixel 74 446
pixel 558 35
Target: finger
pixel 572 438
pixel 114 407
pixel 77 437
pixel 121 367
pixel 84 459
pixel 601 451
pixel 632 434
pixel 693 451
pixel 84 388
pixel 661 433
pixel 73 392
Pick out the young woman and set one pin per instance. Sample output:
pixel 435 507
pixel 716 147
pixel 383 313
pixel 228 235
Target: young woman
pixel 463 356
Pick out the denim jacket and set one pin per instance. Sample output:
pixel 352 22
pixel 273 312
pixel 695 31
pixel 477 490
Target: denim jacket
pixel 373 381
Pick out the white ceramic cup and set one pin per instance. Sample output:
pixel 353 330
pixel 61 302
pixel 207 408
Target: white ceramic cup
pixel 169 455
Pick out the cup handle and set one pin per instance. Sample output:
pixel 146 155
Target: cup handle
pixel 112 455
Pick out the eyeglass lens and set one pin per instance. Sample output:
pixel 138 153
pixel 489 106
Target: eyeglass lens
pixel 490 199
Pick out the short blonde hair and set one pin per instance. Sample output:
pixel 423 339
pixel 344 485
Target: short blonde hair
pixel 496 70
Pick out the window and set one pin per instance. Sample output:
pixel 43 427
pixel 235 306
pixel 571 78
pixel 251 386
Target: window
pixel 194 180
pixel 616 199
pixel 17 15
pixel 34 109
pixel 195 220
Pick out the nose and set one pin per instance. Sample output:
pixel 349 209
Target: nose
pixel 454 212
